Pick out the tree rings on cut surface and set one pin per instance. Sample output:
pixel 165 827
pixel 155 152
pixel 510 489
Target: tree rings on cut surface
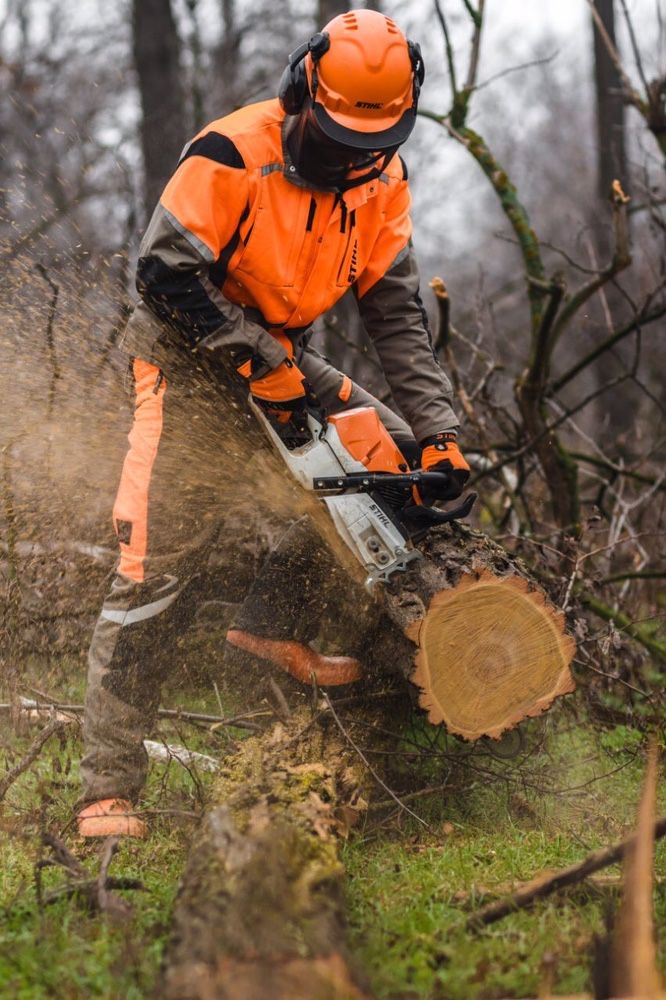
pixel 491 652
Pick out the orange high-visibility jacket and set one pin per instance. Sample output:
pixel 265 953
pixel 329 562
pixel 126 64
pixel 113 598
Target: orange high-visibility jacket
pixel 240 247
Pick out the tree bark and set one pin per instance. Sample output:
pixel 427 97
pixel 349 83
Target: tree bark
pixel 157 60
pixel 328 9
pixel 260 909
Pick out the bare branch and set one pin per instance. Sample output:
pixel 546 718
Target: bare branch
pixel 55 726
pixel 515 69
pixel 634 325
pixel 630 92
pixel 477 17
pixel 368 764
pixel 541 887
pixel 634 45
pixel 449 48
pixel 621 260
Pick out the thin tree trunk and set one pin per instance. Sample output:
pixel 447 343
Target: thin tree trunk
pixel 157 61
pixel 612 160
pixel 328 9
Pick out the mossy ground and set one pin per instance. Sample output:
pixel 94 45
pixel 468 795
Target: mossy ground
pixel 409 889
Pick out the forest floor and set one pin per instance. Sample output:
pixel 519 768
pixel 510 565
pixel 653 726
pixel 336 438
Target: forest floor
pixel 573 786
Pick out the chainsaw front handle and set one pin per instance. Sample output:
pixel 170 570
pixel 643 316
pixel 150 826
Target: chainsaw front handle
pixel 361 482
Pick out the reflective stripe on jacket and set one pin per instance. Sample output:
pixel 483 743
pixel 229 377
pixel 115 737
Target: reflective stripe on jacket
pixel 239 245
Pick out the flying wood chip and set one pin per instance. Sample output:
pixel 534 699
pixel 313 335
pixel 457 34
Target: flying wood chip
pixel 491 652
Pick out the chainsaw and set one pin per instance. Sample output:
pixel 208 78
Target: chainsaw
pixel 351 462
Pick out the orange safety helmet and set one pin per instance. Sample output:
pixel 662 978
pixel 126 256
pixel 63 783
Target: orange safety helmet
pixel 362 77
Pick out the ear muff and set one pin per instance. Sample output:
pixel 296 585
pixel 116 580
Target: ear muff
pixel 293 88
pixel 418 67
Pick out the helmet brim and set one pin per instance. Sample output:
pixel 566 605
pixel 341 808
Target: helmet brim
pixel 386 138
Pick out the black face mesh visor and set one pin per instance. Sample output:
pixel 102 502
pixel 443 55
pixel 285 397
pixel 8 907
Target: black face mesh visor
pixel 326 163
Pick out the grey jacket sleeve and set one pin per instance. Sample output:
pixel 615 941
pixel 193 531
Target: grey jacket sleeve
pixel 174 283
pixel 395 319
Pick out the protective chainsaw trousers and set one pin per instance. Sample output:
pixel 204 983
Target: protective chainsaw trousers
pixel 187 478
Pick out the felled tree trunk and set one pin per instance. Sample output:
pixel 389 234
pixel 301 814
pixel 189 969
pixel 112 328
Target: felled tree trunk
pixel 260 911
pixel 260 908
pixel 473 631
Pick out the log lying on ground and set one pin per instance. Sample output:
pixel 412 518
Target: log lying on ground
pixel 260 912
pixel 260 909
pixel 485 649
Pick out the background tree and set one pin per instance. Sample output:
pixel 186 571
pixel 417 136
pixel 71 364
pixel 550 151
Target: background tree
pixel 156 49
pixel 611 153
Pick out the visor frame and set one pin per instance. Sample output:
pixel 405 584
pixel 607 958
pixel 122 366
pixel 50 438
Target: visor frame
pixel 362 140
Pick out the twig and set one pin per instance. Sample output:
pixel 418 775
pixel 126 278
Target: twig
pixel 50 343
pixel 237 721
pixel 634 45
pixel 88 888
pixel 282 709
pixel 539 888
pixel 106 901
pixel 422 793
pixel 369 765
pixel 634 325
pixel 517 69
pixel 632 95
pixel 475 50
pixel 449 49
pixel 33 753
pixel 621 259
pixel 63 856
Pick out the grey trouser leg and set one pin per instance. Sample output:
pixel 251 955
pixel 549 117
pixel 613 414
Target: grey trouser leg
pixel 166 514
pixel 327 382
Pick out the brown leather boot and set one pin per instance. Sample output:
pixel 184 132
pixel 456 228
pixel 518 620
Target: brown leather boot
pixel 110 818
pixel 299 660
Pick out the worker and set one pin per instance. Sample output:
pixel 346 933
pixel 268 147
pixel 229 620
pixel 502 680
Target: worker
pixel 273 213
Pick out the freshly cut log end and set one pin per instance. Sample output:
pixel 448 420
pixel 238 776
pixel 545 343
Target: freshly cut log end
pixel 491 652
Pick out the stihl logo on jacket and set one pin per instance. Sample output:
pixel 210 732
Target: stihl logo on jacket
pixel 351 277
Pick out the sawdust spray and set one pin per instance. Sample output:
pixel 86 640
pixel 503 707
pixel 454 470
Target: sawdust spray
pixel 66 412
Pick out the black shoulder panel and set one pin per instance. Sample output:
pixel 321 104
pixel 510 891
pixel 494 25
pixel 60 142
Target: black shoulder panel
pixel 216 147
pixel 405 171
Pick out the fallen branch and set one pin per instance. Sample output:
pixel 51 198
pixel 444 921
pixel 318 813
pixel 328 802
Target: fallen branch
pixel 541 887
pixel 238 722
pixel 33 753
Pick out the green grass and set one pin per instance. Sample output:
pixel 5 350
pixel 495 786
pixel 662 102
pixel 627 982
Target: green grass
pixel 64 951
pixel 571 788
pixel 409 897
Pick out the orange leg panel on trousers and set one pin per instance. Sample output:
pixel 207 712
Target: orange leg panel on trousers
pixel 130 511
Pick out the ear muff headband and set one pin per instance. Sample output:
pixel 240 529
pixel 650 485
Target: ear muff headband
pixel 418 68
pixel 293 88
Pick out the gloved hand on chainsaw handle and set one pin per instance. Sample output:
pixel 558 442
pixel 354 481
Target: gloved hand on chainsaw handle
pixel 442 454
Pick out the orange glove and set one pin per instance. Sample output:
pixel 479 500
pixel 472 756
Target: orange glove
pixel 282 392
pixel 282 388
pixel 442 454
